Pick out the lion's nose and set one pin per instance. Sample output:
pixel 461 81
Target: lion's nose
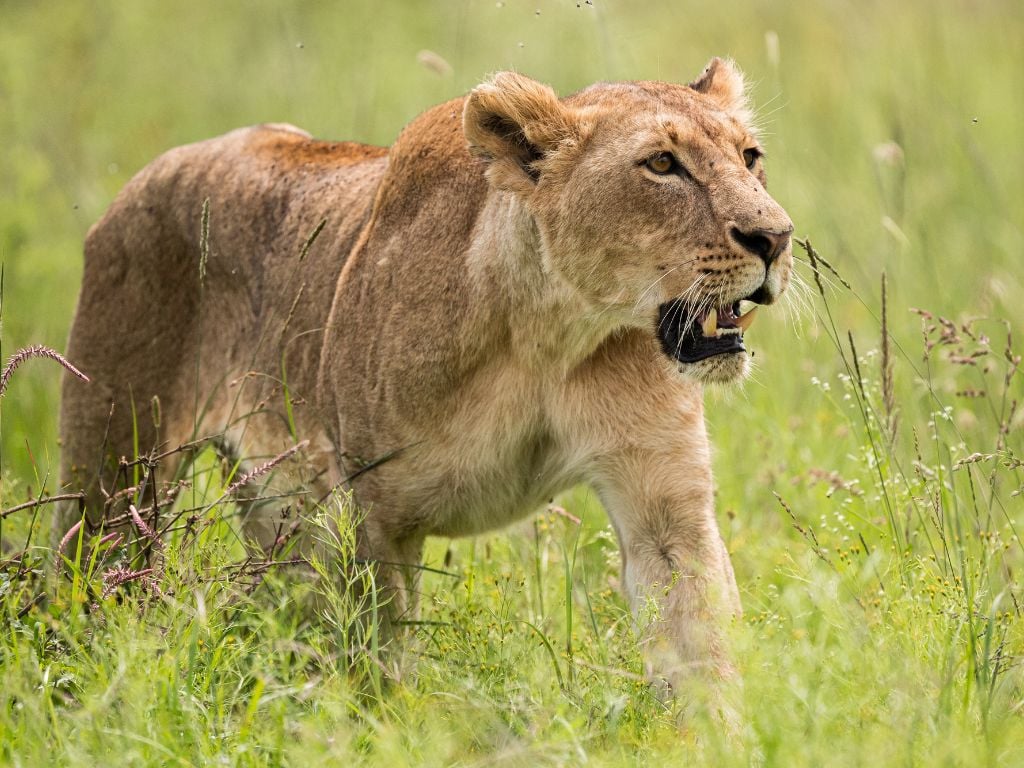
pixel 763 243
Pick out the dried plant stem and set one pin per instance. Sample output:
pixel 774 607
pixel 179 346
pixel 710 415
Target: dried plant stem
pixel 36 350
pixel 115 577
pixel 39 502
pixel 144 528
pixel 262 469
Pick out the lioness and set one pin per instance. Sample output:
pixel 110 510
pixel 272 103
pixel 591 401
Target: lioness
pixel 523 293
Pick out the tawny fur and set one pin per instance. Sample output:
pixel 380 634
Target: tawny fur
pixel 479 307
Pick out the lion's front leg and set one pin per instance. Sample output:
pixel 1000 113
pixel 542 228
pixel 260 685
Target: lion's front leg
pixel 676 571
pixel 394 564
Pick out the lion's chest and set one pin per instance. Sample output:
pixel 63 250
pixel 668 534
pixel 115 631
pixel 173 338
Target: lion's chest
pixel 491 460
pixel 500 484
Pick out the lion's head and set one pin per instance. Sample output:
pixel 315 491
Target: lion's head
pixel 650 202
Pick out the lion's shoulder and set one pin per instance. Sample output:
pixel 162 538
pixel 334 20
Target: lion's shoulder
pixel 431 176
pixel 431 151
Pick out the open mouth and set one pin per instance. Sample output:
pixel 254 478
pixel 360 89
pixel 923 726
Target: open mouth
pixel 690 335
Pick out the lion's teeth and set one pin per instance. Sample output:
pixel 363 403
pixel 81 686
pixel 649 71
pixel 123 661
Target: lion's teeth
pixel 710 324
pixel 744 322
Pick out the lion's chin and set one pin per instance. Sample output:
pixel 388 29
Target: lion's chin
pixel 728 368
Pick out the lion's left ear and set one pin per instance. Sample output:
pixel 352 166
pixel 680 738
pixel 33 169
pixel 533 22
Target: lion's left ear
pixel 514 122
pixel 722 81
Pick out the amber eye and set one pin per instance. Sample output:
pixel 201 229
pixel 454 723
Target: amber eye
pixel 750 157
pixel 662 163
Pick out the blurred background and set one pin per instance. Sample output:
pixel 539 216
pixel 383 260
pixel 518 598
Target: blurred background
pixel 892 132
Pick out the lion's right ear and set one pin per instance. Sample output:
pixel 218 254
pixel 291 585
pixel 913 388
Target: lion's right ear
pixel 722 81
pixel 514 122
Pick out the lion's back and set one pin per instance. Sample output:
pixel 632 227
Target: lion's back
pixel 250 177
pixel 208 251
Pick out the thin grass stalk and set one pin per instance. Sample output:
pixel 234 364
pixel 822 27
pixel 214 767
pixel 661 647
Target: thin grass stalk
pixel 852 370
pixel 887 373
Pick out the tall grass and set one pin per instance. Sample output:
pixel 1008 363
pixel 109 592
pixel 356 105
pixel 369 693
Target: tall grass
pixel 869 477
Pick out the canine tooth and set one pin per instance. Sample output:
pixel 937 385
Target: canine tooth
pixel 744 322
pixel 711 324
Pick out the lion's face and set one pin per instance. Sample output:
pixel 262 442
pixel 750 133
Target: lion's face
pixel 650 200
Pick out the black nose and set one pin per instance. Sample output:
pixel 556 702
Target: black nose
pixel 764 243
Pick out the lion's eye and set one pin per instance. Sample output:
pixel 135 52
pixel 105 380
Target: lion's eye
pixel 750 157
pixel 662 163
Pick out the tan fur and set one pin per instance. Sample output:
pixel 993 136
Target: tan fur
pixel 487 322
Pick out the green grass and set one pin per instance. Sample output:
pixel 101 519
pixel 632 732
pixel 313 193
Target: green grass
pixel 882 619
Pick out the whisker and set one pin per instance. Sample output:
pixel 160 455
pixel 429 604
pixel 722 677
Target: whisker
pixel 681 301
pixel 798 304
pixel 648 289
pixel 704 305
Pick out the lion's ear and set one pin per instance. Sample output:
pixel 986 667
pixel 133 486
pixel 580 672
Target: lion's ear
pixel 513 122
pixel 722 81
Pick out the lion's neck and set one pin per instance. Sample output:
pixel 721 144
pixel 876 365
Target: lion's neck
pixel 545 320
